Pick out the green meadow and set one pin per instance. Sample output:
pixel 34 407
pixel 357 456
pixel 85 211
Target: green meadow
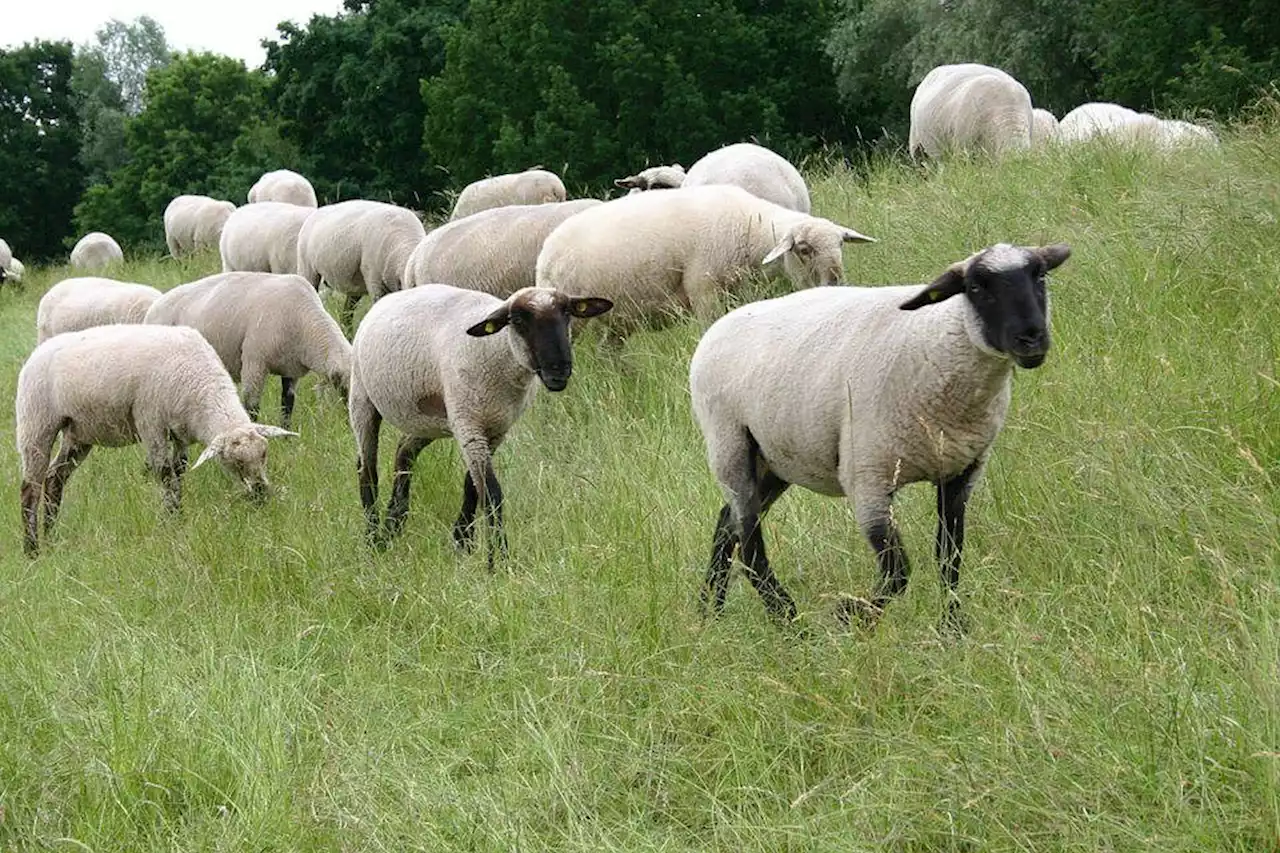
pixel 245 678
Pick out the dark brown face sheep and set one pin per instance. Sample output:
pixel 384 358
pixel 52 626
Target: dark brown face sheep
pixel 439 361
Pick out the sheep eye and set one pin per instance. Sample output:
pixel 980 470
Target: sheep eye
pixel 520 319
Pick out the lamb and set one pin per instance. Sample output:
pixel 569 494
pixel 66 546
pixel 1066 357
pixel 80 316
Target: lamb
pixel 757 170
pixel 654 252
pixel 859 391
pixel 1044 127
pixel 95 251
pixel 261 324
pixel 532 186
pixel 263 237
pixel 654 178
pixel 433 361
pixel 81 303
pixel 494 251
pixel 193 223
pixel 6 260
pixel 283 185
pixel 358 247
pixel 117 385
pixel 969 108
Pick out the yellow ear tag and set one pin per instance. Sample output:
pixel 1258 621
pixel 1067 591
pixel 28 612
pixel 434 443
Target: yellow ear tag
pixel 581 307
pixel 490 327
pixel 933 295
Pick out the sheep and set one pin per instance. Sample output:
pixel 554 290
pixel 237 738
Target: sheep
pixel 81 303
pixel 14 273
pixel 757 170
pixel 858 391
pixel 1113 121
pixel 283 185
pixel 357 247
pixel 653 252
pixel 1175 133
pixel 433 362
pixel 494 251
pixel 261 324
pixel 113 386
pixel 193 223
pixel 263 237
pixel 1044 127
pixel 969 107
pixel 654 178
pixel 6 260
pixel 95 251
pixel 532 186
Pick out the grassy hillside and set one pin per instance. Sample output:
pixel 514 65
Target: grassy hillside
pixel 255 679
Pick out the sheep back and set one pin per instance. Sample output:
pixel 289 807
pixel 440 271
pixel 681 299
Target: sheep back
pixel 285 186
pixel 263 237
pixel 96 250
pixel 358 246
pixel 532 186
pixel 193 223
pixel 969 107
pixel 757 170
pixel 81 303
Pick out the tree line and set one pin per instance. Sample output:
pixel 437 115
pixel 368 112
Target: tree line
pixel 403 100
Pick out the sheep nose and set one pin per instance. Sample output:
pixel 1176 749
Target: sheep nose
pixel 1030 341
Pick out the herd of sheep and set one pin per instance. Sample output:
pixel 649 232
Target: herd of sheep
pixel 852 391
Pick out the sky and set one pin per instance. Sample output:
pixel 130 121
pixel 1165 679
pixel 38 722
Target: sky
pixel 231 27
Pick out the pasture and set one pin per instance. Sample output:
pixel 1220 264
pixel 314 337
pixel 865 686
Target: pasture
pixel 244 678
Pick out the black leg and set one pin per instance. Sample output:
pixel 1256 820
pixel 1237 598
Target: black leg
pixel 69 458
pixel 367 475
pixel 398 507
pixel 288 389
pixel 347 314
pixel 30 493
pixel 891 558
pixel 953 497
pixel 723 543
pixel 776 599
pixel 493 494
pixel 464 527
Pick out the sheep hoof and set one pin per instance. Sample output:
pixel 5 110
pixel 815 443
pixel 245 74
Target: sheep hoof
pixel 954 624
pixel 867 613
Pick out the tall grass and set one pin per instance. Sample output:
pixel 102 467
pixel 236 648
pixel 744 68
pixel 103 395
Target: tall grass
pixel 242 678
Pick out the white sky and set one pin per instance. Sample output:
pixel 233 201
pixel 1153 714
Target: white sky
pixel 231 27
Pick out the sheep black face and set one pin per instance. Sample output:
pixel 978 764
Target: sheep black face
pixel 1006 286
pixel 539 320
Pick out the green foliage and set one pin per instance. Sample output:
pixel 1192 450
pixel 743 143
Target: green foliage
pixel 599 91
pixel 196 109
pixel 40 172
pixel 345 89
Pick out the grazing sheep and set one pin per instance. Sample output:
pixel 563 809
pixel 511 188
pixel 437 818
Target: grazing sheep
pixel 969 107
pixel 493 251
pixel 1175 133
pixel 1112 121
pixel 193 223
pixel 358 247
pixel 261 324
pixel 654 178
pixel 1044 127
pixel 117 385
pixel 14 273
pixel 6 260
pixel 433 361
pixel 263 237
pixel 654 252
pixel 532 186
pixel 859 391
pixel 95 251
pixel 283 185
pixel 757 170
pixel 82 303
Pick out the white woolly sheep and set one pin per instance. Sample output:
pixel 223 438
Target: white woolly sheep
pixel 95 251
pixel 283 185
pixel 654 252
pixel 858 391
pixel 532 186
pixel 114 386
pixel 358 247
pixel 263 237
pixel 757 170
pixel 1109 120
pixel 969 107
pixel 1044 127
pixel 193 223
pixel 493 251
pixel 654 178
pixel 435 362
pixel 6 260
pixel 15 272
pixel 261 324
pixel 1175 133
pixel 82 303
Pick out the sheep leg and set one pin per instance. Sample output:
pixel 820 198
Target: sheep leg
pixel 478 456
pixel 35 450
pixel 347 313
pixel 398 507
pixel 726 540
pixel 253 377
pixel 288 394
pixel 69 458
pixel 464 527
pixel 953 497
pixel 366 421
pixel 874 512
pixel 163 464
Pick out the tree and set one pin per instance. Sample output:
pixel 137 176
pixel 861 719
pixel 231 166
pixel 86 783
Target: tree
pixel 39 143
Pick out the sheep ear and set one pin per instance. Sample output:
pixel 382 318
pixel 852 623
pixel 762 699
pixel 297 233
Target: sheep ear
pixel 268 431
pixel 1054 255
pixel 779 250
pixel 943 287
pixel 851 236
pixel 495 322
pixel 588 306
pixel 627 182
pixel 209 452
